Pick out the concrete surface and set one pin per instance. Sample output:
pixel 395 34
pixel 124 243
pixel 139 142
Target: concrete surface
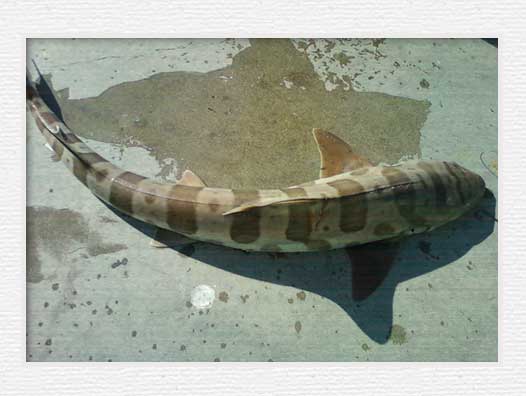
pixel 239 114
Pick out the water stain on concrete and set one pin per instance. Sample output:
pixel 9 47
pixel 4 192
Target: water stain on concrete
pixel 60 232
pixel 398 335
pixel 376 42
pixel 244 298
pixel 342 58
pixel 249 124
pixel 297 326
pixel 494 164
pixel 223 296
pixel 301 295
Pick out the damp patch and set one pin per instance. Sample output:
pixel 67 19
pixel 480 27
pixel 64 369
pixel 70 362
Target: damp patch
pixel 242 126
pixel 59 233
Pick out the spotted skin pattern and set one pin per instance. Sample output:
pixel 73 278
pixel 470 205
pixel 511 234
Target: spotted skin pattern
pixel 366 204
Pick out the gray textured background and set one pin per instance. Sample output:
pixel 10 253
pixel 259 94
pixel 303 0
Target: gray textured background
pixel 426 18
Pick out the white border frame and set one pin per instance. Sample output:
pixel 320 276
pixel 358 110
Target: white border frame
pixel 255 18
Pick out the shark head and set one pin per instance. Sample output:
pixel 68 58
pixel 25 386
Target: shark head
pixel 456 191
pixel 475 186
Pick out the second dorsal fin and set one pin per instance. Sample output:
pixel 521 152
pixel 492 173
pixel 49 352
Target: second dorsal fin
pixel 336 156
pixel 189 178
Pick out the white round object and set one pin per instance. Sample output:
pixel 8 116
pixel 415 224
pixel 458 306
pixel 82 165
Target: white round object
pixel 203 296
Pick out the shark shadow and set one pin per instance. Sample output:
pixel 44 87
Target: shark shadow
pixel 46 92
pixel 362 282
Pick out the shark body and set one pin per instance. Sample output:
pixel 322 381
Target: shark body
pixel 352 203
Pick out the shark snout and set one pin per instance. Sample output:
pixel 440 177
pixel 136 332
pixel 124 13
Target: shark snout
pixel 472 184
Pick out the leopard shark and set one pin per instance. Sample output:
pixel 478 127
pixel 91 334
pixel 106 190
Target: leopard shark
pixel 353 202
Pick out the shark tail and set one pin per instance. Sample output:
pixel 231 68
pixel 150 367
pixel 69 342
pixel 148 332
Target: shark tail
pixel 67 147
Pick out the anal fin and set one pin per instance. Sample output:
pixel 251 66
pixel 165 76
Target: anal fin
pixel 166 238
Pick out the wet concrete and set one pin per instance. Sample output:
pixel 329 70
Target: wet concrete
pixel 59 233
pixel 249 124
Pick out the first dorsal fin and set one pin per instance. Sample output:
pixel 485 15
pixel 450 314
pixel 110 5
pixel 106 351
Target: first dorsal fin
pixel 189 178
pixel 336 156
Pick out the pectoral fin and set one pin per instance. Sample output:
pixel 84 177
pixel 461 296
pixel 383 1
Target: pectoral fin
pixel 166 238
pixel 189 178
pixel 336 155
